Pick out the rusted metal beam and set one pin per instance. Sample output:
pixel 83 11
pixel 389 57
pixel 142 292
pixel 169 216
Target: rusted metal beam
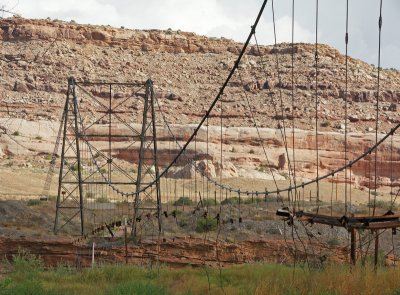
pixel 352 220
pixel 379 225
pixel 358 222
pixel 109 230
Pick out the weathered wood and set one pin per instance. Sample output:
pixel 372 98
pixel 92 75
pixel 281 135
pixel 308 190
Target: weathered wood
pixel 358 222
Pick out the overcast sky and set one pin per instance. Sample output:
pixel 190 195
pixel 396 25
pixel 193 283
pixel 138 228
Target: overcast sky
pixel 232 19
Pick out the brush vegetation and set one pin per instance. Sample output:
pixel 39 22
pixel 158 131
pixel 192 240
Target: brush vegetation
pixel 29 277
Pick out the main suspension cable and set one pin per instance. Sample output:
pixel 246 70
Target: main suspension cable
pixel 346 39
pixel 316 102
pixel 377 102
pixel 293 121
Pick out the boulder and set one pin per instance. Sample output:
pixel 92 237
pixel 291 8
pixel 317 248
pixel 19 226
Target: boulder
pixel 20 87
pixel 392 107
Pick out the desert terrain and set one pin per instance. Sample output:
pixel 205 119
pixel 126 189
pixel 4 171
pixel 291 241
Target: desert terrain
pixel 38 56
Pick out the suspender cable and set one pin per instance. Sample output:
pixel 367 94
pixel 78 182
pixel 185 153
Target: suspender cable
pixel 283 127
pixel 195 170
pixel 346 39
pixel 332 180
pixel 220 175
pixel 349 207
pixel 377 101
pixel 221 91
pixel 175 187
pixel 258 130
pixel 316 101
pixel 293 143
pixel 168 180
pixel 208 171
pixel 391 172
pixel 369 185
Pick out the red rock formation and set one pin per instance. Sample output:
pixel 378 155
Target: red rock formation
pixel 179 251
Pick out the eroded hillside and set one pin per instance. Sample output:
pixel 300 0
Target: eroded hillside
pixel 37 56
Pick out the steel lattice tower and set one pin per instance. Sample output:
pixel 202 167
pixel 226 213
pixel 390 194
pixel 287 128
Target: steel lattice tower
pixel 81 169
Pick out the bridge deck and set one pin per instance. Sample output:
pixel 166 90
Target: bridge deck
pixel 388 220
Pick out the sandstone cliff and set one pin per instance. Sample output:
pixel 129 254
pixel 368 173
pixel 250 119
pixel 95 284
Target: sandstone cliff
pixel 37 56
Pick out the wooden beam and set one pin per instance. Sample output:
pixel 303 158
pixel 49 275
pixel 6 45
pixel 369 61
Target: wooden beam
pixel 360 222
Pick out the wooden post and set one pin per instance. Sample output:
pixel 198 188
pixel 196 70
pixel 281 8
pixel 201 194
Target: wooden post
pixel 376 250
pixel 93 254
pixel 126 242
pixel 353 233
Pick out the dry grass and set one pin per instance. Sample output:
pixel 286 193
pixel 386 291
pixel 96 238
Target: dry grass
pixel 271 279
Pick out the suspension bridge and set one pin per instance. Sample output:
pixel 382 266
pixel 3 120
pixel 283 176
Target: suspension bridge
pixel 117 170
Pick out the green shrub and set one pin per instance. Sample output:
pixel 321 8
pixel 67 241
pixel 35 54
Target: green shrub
pixel 252 200
pixel 206 224
pixel 51 198
pixel 333 242
pixel 74 167
pixel 263 168
pixel 33 202
pixel 230 201
pixel 149 201
pixel 325 124
pixel 102 199
pixel 210 202
pixel 285 175
pixel 90 195
pixel 386 205
pixel 374 193
pixel 183 222
pixel 183 201
pixel 16 133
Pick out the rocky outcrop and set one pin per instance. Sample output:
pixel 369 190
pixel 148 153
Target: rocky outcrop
pixel 37 56
pixel 18 29
pixel 179 251
pixel 243 155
